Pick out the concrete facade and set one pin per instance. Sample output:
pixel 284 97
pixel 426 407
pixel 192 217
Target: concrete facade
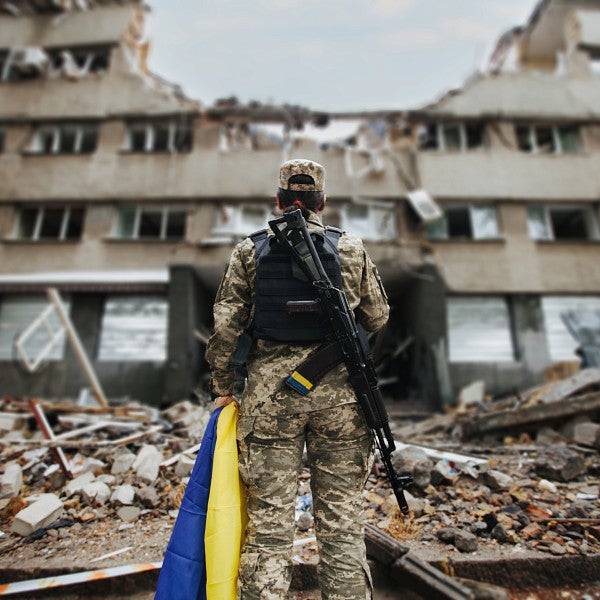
pixel 128 197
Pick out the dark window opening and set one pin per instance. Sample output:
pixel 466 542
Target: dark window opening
pixel 51 223
pixel 428 137
pixel 545 140
pixel 524 138
pixel 89 141
pixel 75 224
pixel 175 225
pixel 2 139
pixel 150 223
pixel 27 222
pixel 137 139
pixel 67 141
pixel 183 138
pixel 569 224
pixel 459 223
pixel 161 137
pixel 474 135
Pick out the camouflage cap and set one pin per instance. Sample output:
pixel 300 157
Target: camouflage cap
pixel 302 166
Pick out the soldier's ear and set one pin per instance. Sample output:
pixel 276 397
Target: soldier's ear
pixel 321 206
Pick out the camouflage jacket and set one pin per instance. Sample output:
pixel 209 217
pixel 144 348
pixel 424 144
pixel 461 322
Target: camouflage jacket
pixel 269 363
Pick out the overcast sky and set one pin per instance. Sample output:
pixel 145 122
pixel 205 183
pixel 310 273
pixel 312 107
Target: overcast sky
pixel 326 54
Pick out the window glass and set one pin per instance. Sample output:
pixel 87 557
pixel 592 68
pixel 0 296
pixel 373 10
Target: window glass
pixel 569 139
pixel 537 223
pixel 479 329
pixel 561 343
pixel 126 221
pixel 484 222
pixel 369 222
pixel 438 230
pixel 134 328
pixel 451 133
pixel 16 314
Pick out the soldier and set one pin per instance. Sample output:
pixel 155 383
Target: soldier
pixel 275 423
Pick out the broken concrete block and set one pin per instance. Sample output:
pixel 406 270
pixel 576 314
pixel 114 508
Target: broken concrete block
pixel 184 465
pixel 11 421
pixel 415 462
pixel 496 480
pixel 559 463
pixel 42 512
pixel 147 463
pixel 96 491
pixel 122 461
pixel 12 480
pixel 473 393
pixel 124 494
pixel 587 434
pixel 92 465
pixel 129 513
pixel 443 473
pixel 76 485
pixel 465 541
pixel 148 496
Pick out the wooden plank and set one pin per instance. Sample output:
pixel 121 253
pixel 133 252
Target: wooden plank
pixel 411 572
pixel 537 414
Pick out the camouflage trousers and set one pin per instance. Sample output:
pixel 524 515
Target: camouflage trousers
pixel 340 454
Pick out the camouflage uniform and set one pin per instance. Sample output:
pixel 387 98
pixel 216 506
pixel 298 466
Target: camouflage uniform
pixel 275 423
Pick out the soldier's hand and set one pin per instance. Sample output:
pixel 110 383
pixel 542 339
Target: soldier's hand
pixel 225 400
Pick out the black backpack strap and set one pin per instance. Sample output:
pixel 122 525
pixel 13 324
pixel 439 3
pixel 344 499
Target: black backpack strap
pixel 332 236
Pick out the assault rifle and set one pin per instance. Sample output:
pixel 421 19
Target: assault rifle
pixel 292 233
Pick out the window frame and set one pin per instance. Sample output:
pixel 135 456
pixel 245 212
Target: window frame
pixel 471 209
pixel 557 141
pixel 39 223
pixel 165 211
pixel 377 211
pixel 149 129
pixel 56 133
pixel 234 225
pixel 589 218
pixel 437 132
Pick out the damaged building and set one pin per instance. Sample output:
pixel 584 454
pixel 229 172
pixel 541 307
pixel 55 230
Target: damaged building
pixel 480 210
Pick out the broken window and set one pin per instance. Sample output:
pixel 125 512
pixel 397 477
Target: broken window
pixel 470 222
pixel 561 343
pixel 16 314
pixel 79 61
pixel 65 138
pixel 479 329
pixel 452 136
pixel 370 221
pixel 23 63
pixel 241 220
pixel 134 328
pixel 50 223
pixel 548 139
pixel 166 135
pixel 561 223
pixel 151 222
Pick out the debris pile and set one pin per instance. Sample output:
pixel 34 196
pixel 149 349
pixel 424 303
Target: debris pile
pixel 531 479
pixel 519 475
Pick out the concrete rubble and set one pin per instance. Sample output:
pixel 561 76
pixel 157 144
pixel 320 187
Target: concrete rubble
pixel 532 486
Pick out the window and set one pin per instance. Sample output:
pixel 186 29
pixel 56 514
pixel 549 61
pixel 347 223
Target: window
pixel 151 223
pixel 2 138
pixel 78 61
pixel 561 343
pixel 16 313
pixel 561 223
pixel 241 220
pixel 452 137
pixel 21 63
pixel 134 328
pixel 470 222
pixel 65 139
pixel 479 329
pixel 548 139
pixel 50 223
pixel 170 135
pixel 373 221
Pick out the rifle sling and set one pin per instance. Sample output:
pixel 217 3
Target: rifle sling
pixel 315 367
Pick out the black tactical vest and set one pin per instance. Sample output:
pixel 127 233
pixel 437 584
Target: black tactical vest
pixel 279 280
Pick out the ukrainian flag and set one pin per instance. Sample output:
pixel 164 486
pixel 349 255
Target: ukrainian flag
pixel 202 557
